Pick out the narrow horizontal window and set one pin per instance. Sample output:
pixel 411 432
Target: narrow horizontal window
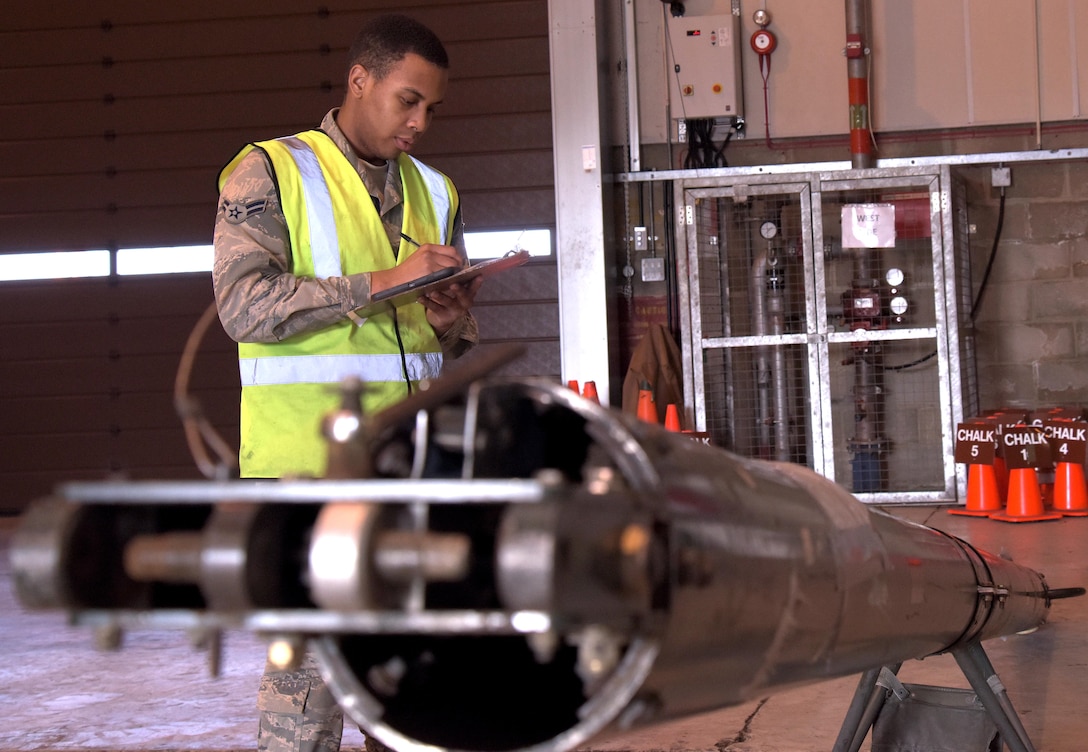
pixel 198 258
pixel 54 265
pixel 176 260
pixel 485 245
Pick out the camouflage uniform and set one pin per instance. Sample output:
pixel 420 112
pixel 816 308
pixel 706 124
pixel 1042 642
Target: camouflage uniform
pixel 252 250
pixel 298 712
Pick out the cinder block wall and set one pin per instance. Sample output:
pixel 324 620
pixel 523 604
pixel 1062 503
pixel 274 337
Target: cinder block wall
pixel 1032 323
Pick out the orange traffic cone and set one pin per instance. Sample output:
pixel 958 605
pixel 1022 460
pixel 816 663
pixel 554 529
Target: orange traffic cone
pixel 672 417
pixel 573 385
pixel 647 410
pixel 983 493
pixel 590 392
pixel 1025 502
pixel 1070 494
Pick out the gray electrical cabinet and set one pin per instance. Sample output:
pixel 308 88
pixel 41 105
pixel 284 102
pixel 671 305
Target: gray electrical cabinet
pixel 704 66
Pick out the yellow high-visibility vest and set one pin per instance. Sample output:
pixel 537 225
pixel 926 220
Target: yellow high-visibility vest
pixel 335 230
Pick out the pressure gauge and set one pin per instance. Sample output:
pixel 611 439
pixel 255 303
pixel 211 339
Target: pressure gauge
pixel 768 229
pixel 898 305
pixel 894 276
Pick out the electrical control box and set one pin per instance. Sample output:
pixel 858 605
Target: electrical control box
pixel 704 66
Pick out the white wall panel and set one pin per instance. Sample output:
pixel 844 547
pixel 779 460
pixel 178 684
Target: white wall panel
pixel 1001 62
pixel 1063 59
pixel 919 70
pixel 936 64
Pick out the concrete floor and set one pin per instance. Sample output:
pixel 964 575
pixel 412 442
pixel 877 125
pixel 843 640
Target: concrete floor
pixel 59 693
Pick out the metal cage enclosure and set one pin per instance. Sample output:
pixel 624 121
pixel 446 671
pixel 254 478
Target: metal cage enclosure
pixel 823 322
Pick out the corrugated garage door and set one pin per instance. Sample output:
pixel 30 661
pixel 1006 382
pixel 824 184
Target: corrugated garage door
pixel 117 118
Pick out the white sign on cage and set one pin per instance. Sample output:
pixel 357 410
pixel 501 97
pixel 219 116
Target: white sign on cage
pixel 868 226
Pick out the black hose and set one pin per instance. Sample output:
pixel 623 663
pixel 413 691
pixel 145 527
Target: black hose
pixel 911 364
pixel 993 255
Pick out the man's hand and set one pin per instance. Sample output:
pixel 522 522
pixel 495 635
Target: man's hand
pixel 426 259
pixel 445 307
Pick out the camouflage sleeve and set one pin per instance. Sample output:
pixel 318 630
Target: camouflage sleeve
pixel 461 337
pixel 258 297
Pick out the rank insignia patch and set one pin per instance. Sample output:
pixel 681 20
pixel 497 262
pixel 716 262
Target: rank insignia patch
pixel 236 213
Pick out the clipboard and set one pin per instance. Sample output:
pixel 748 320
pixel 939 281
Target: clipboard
pixel 409 292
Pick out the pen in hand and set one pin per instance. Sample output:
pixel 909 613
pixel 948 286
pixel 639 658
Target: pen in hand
pixel 412 241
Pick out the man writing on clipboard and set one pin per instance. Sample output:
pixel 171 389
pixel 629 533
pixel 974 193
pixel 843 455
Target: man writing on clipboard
pixel 309 229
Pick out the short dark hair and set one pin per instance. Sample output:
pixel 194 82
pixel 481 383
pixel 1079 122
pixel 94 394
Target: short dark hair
pixel 385 40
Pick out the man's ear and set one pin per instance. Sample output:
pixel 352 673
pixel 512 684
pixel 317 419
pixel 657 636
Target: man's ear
pixel 357 78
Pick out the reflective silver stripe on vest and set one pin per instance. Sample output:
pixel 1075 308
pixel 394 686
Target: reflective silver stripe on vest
pixel 440 196
pixel 282 370
pixel 324 243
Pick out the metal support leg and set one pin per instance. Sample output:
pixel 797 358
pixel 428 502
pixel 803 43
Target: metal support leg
pixel 863 693
pixel 976 666
pixel 868 699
